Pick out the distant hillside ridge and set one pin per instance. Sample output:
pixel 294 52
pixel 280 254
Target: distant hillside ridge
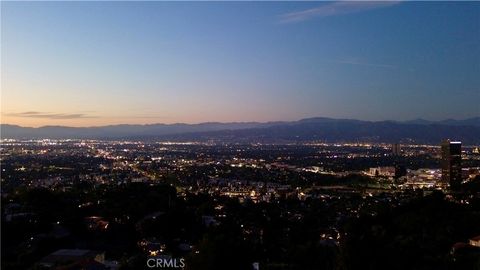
pixel 319 128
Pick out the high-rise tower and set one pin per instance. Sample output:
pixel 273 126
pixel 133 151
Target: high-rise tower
pixel 452 163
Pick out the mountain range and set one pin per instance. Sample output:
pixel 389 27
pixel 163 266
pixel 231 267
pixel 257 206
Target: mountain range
pixel 319 128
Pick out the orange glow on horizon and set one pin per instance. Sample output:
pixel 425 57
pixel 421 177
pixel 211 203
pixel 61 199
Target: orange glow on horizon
pixel 105 121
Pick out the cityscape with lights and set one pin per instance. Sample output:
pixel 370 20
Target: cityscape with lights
pixel 126 201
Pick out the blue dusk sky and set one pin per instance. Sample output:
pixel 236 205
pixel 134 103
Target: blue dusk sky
pixel 99 63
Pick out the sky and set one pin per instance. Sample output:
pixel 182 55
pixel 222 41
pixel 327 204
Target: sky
pixel 104 63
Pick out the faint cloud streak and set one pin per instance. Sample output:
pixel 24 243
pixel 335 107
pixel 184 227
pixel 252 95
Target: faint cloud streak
pixel 48 115
pixel 359 63
pixel 334 9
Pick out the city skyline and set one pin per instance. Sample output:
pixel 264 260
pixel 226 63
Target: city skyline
pixel 106 63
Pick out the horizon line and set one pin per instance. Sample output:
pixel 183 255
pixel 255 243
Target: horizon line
pixel 244 122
